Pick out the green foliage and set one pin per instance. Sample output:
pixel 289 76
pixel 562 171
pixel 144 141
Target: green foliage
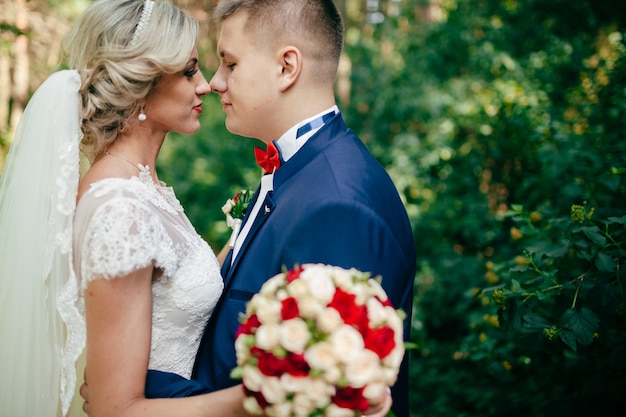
pixel 561 306
pixel 488 107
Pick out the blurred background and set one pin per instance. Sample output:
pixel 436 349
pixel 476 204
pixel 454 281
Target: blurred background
pixel 502 124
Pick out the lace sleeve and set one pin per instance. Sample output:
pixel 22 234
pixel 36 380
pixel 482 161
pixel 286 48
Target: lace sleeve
pixel 122 236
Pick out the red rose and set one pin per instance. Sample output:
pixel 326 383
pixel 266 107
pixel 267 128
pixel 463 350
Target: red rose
pixel 297 365
pixel 351 398
pixel 293 274
pixel 289 309
pixel 352 313
pixel 260 399
pixel 380 341
pixel 270 365
pixel 248 326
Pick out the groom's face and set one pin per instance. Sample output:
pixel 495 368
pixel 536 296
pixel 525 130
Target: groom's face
pixel 246 81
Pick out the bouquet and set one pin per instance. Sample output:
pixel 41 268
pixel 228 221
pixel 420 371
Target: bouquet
pixel 318 340
pixel 234 209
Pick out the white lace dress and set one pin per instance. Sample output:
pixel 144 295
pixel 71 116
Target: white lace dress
pixel 122 225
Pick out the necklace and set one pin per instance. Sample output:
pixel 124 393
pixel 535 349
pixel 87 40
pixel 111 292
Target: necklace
pixel 138 166
pixel 144 170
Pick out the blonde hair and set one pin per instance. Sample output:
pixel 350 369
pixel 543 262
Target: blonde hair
pixel 117 73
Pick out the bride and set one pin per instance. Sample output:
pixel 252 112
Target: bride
pixel 113 252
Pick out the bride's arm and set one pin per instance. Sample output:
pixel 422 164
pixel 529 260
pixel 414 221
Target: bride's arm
pixel 221 255
pixel 118 314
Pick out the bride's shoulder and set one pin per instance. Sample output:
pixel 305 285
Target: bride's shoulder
pixel 99 175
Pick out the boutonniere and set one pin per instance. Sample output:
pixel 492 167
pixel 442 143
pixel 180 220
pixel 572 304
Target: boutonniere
pixel 234 209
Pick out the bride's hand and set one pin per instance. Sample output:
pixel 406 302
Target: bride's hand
pixel 381 406
pixel 84 393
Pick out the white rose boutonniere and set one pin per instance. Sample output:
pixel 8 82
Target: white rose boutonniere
pixel 234 209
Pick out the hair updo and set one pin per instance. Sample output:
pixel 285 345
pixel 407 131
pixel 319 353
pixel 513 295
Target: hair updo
pixel 117 73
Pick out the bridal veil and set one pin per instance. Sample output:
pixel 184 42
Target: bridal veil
pixel 41 329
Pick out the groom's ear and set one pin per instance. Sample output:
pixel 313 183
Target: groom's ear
pixel 291 67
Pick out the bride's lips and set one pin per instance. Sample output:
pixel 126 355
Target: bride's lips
pixel 198 108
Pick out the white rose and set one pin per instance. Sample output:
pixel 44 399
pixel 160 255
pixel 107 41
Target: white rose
pixel 376 313
pixel 342 277
pixel 374 391
pixel 334 411
pixel 328 320
pixel 320 284
pixel 377 289
pixel 310 308
pixel 298 289
pixel 394 358
pixel 228 206
pixel 281 294
pixel 272 390
pixel 252 406
pixel 268 310
pixel 255 299
pixel 242 349
pixel 252 378
pixel 302 405
pixel 279 410
pixel 347 342
pixel 390 375
pixel 321 356
pixel 268 336
pixel 294 335
pixel 292 383
pixel 394 320
pixel 272 285
pixel 361 291
pixel 332 375
pixel 320 392
pixel 363 369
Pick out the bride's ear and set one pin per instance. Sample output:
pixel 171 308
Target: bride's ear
pixel 291 58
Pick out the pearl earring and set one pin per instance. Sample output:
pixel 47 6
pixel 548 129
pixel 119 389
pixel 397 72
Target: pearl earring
pixel 142 116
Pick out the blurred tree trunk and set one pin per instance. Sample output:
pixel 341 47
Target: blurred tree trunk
pixel 21 64
pixel 5 92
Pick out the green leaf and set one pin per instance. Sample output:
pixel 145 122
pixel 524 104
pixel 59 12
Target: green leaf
pixel 534 281
pixel 560 250
pixel 594 234
pixel 534 323
pixel 620 220
pixel 537 247
pixel 569 338
pixel 411 346
pixel 605 262
pixel 583 323
pixel 519 268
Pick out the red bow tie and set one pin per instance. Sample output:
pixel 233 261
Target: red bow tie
pixel 270 160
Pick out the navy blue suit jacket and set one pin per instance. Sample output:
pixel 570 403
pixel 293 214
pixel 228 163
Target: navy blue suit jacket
pixel 332 203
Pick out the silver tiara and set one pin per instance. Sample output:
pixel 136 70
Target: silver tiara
pixel 143 20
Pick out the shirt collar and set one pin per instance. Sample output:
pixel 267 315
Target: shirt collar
pixel 288 144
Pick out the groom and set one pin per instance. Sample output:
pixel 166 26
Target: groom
pixel 323 199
